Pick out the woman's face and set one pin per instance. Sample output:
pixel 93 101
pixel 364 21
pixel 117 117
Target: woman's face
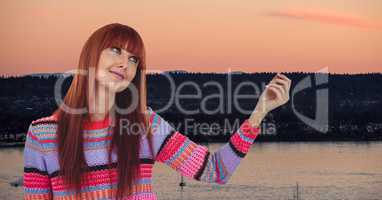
pixel 116 69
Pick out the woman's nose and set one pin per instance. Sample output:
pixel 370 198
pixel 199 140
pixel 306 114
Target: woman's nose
pixel 125 61
pixel 122 65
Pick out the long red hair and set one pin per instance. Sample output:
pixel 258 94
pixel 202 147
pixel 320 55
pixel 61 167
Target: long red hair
pixel 69 130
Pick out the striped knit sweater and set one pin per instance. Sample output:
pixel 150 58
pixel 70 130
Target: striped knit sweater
pixel 42 180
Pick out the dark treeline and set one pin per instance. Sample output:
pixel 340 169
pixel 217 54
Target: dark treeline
pixel 355 102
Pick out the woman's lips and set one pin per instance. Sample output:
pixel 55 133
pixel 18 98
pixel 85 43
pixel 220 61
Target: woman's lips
pixel 119 74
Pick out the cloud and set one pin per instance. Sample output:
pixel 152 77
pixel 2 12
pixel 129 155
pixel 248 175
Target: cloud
pixel 327 18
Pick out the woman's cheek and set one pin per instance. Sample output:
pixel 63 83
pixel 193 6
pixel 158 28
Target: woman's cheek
pixel 104 80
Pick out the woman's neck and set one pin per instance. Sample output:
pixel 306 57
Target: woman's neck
pixel 101 104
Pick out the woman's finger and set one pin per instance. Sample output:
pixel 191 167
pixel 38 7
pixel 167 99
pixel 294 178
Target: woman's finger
pixel 282 76
pixel 285 95
pixel 283 83
pixel 278 88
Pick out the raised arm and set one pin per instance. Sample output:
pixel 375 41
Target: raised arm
pixel 36 181
pixel 196 161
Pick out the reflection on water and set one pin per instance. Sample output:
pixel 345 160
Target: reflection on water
pixel 270 171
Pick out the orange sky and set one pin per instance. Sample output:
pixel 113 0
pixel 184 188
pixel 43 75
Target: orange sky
pixel 208 36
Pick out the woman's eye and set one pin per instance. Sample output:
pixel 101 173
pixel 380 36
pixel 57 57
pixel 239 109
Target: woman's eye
pixel 116 50
pixel 133 59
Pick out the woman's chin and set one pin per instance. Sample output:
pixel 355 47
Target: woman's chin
pixel 121 86
pixel 120 89
pixel 114 85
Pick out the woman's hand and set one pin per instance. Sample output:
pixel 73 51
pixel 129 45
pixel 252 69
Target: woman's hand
pixel 276 93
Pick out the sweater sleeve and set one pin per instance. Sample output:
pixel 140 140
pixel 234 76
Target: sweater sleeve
pixel 36 180
pixel 196 161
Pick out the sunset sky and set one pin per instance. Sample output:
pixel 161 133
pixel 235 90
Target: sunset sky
pixel 40 36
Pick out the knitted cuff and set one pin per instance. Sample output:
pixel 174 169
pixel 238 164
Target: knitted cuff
pixel 244 137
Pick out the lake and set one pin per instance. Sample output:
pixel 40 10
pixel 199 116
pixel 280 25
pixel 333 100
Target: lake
pixel 322 170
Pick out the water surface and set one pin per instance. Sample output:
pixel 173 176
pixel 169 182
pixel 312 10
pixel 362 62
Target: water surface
pixel 323 170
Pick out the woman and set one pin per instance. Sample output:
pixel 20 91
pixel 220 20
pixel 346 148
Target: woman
pixel 75 155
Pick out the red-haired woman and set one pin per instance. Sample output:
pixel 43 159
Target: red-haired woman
pixel 73 154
